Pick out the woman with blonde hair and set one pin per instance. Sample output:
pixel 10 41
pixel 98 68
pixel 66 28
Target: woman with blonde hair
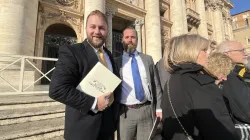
pixel 192 105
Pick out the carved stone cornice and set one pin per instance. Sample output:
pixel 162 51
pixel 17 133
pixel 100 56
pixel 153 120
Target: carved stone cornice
pixel 214 4
pixel 193 17
pixel 67 3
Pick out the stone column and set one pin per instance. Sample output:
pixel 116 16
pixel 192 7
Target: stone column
pixel 230 28
pixel 200 8
pixel 153 29
pixel 109 13
pixel 138 24
pixel 18 20
pixel 91 5
pixel 178 16
pixel 218 22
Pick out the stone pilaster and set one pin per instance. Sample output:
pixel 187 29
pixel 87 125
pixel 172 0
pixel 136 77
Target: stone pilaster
pixel 178 16
pixel 18 20
pixel 200 8
pixel 138 24
pixel 91 5
pixel 153 29
pixel 109 13
pixel 230 28
pixel 218 21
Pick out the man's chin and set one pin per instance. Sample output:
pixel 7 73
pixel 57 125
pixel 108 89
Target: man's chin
pixel 97 44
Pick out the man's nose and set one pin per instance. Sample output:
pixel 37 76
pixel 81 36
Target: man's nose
pixel 97 30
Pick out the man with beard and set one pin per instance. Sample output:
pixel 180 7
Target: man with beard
pixel 86 117
pixel 235 88
pixel 140 90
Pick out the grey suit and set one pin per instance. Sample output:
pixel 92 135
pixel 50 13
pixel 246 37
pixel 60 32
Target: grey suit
pixel 164 75
pixel 154 88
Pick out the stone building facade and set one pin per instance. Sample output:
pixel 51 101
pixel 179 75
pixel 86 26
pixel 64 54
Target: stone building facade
pixel 241 28
pixel 40 27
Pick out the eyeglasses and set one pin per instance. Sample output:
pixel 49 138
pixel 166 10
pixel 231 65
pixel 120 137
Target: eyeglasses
pixel 239 50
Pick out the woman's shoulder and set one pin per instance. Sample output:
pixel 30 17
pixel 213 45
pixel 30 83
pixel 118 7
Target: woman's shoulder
pixel 198 78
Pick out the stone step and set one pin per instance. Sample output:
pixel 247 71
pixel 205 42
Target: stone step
pixel 24 99
pixel 57 135
pixel 31 129
pixel 55 138
pixel 33 111
pixel 30 118
pixel 31 105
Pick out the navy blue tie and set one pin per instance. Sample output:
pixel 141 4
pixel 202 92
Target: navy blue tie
pixel 139 91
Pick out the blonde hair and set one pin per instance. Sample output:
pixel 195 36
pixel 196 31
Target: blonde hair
pixel 98 13
pixel 219 63
pixel 183 49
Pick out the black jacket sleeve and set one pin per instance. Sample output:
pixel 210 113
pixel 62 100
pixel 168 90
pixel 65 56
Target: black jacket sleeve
pixel 64 81
pixel 238 94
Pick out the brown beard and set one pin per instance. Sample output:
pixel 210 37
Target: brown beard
pixel 129 50
pixel 96 45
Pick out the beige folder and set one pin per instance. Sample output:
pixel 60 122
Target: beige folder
pixel 98 81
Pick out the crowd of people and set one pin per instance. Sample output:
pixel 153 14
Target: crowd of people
pixel 198 92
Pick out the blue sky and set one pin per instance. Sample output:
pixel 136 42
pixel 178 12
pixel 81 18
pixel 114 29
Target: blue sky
pixel 240 6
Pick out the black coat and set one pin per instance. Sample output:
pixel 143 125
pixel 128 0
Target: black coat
pixel 237 92
pixel 73 65
pixel 199 105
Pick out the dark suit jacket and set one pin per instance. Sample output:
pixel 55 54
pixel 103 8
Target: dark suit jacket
pixel 154 84
pixel 81 123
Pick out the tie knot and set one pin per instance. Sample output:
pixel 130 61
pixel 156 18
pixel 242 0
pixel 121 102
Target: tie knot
pixel 100 50
pixel 132 55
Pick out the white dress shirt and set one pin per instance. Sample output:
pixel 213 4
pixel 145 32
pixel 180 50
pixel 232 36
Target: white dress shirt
pixel 128 96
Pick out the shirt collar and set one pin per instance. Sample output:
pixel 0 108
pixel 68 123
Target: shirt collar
pixel 127 54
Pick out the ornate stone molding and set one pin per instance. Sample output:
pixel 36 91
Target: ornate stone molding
pixel 133 2
pixel 165 33
pixel 67 3
pixel 214 4
pixel 61 15
pixel 139 22
pixel 193 17
pixel 109 12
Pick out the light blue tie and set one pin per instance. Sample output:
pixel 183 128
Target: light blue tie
pixel 139 91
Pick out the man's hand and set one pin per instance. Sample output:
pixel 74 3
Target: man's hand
pixel 159 114
pixel 102 101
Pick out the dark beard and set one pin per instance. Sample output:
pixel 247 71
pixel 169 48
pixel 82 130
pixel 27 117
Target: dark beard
pixel 96 45
pixel 129 50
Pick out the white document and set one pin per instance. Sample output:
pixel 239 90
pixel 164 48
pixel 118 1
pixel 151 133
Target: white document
pixel 98 81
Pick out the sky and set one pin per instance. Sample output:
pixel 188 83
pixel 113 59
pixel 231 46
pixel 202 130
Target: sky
pixel 240 6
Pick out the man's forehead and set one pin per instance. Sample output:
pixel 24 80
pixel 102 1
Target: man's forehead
pixel 236 45
pixel 93 18
pixel 129 32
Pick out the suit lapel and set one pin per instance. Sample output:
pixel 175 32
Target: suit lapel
pixel 90 53
pixel 146 65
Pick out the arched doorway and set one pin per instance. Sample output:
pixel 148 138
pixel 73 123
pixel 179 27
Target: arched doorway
pixel 55 36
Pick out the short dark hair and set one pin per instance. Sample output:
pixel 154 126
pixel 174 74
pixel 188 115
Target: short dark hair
pixel 97 13
pixel 130 28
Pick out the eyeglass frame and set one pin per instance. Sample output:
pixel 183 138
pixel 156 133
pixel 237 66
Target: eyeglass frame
pixel 240 50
